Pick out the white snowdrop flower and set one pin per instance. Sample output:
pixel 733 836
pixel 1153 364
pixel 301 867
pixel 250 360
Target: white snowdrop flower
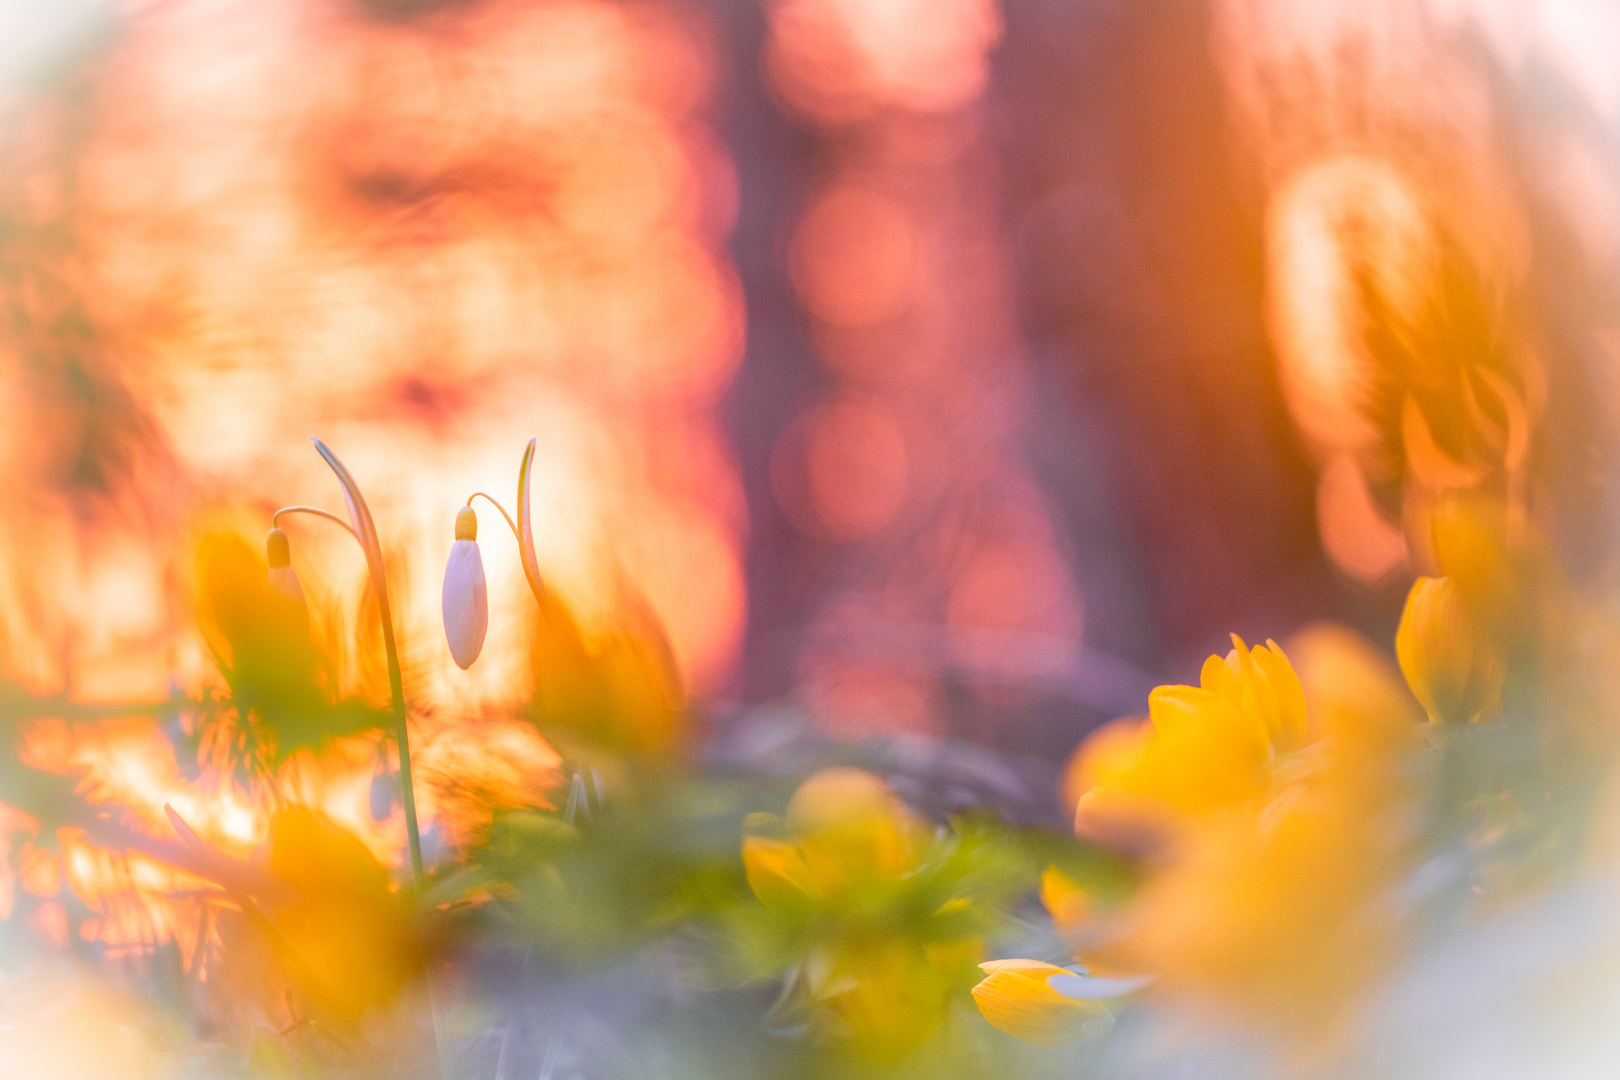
pixel 283 579
pixel 466 597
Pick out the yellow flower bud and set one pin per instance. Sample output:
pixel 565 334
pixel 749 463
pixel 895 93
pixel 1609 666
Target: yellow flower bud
pixel 851 831
pixel 1450 665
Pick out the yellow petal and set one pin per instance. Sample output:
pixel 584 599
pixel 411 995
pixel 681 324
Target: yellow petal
pixel 1216 677
pixel 1350 685
pixel 1111 754
pixel 1205 753
pixel 1016 997
pixel 1286 697
pixel 1198 753
pixel 776 870
pixel 1066 899
pixel 1118 800
pixel 351 934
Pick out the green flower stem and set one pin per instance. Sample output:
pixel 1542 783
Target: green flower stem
pixel 364 530
pixel 361 527
pixel 497 505
pixel 583 792
pixel 275 518
pixel 522 528
pixel 525 527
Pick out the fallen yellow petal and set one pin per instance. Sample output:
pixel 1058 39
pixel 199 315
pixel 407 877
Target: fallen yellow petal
pixel 1016 997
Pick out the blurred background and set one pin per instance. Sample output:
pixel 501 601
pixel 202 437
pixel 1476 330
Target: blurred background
pixel 949 368
pixel 939 371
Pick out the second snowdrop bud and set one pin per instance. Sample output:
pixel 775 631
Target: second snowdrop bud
pixel 282 578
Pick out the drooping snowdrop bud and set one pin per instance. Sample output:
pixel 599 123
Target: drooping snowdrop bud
pixel 466 598
pixel 283 579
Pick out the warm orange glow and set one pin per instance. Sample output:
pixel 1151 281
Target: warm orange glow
pixel 1355 534
pixel 427 252
pixel 1334 221
pixel 424 247
pixel 842 472
pixel 687 564
pixel 910 462
pixel 836 59
pixel 906 392
pixel 855 257
pixel 471 768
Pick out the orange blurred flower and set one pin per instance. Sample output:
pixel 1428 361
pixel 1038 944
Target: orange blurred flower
pixel 617 691
pixel 1282 915
pixel 1269 894
pixel 350 934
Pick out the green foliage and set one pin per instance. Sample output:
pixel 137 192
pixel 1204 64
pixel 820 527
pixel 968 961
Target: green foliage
pixel 281 696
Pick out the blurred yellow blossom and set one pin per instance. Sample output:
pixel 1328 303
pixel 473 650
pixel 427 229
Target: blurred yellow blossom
pixel 861 889
pixel 1267 904
pixel 852 832
pixel 1282 917
pixel 615 691
pixel 350 934
pixel 1068 902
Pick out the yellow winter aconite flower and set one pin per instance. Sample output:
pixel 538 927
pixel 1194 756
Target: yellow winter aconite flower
pixel 1262 684
pixel 1449 663
pixel 1018 997
pixel 850 835
pixel 1203 749
pixel 1282 917
pixel 776 871
pixel 1269 851
pixel 852 888
pixel 613 691
pixel 852 831
pixel 255 623
pixel 1201 763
